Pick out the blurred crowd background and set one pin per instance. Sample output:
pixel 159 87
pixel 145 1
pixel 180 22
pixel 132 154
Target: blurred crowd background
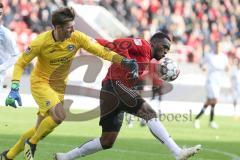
pixel 194 25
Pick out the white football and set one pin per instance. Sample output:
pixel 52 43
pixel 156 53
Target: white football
pixel 167 69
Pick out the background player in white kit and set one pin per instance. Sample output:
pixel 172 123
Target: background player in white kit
pixel 235 80
pixel 216 63
pixel 8 48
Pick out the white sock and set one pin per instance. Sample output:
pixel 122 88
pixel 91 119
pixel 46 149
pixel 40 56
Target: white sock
pixel 159 131
pixel 87 148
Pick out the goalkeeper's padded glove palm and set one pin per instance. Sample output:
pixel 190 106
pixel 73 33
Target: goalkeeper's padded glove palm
pixel 14 95
pixel 132 65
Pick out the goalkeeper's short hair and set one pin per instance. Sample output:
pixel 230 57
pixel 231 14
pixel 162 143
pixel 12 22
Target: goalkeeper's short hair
pixel 62 15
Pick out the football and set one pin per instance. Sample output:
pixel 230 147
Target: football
pixel 167 69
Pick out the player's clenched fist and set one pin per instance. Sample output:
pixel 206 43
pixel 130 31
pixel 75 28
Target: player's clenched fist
pixel 14 95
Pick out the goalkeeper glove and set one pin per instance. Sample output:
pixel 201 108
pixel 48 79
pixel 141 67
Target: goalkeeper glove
pixel 14 95
pixel 132 65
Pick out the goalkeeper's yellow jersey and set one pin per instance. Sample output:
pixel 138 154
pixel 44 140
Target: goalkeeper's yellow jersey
pixel 56 57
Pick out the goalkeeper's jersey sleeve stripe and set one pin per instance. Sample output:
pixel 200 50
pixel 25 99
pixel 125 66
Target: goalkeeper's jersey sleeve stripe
pixel 93 47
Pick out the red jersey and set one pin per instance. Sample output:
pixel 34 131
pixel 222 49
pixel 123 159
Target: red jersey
pixel 132 48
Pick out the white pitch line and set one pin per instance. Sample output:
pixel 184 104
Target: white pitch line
pixel 113 149
pixel 231 155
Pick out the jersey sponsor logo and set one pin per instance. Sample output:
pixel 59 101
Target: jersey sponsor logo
pixel 28 50
pixel 58 61
pixel 123 45
pixel 70 47
pixel 138 42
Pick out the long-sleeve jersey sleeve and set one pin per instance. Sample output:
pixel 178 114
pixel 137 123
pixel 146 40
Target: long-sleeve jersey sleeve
pixel 93 47
pixel 26 57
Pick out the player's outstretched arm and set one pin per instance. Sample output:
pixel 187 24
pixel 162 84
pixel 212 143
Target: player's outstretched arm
pixel 93 47
pixel 14 93
pixel 25 58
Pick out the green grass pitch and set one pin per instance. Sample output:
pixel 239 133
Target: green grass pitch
pixel 132 144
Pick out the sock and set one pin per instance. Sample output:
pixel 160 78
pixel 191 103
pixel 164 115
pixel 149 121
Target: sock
pixel 235 107
pixel 87 148
pixel 19 146
pixel 159 131
pixel 212 113
pixel 46 126
pixel 201 112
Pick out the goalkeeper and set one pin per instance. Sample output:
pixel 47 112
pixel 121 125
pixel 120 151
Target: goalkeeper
pixel 53 49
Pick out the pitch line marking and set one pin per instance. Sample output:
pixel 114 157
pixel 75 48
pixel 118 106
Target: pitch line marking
pixel 230 155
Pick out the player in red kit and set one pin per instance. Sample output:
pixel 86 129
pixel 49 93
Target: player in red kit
pixel 117 97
